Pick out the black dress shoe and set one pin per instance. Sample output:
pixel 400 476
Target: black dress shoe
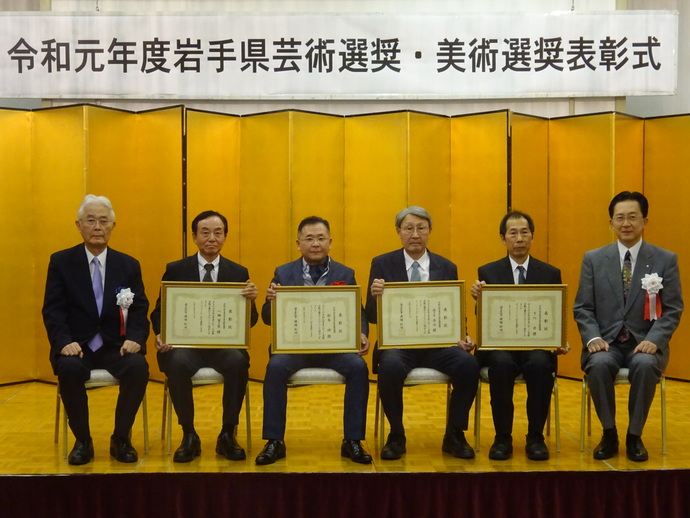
pixel 457 446
pixel 273 450
pixel 502 448
pixel 635 448
pixel 536 447
pixel 82 453
pixel 394 447
pixel 122 450
pixel 228 447
pixel 608 446
pixel 355 451
pixel 189 449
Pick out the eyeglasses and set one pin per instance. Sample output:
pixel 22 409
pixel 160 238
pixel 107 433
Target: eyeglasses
pixel 92 222
pixel 312 240
pixel 631 218
pixel 421 230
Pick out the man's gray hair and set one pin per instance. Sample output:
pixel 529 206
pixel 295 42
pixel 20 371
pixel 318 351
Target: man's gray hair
pixel 415 211
pixel 93 199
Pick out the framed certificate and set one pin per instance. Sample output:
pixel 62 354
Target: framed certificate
pixel 316 319
pixel 205 314
pixel 421 314
pixel 522 316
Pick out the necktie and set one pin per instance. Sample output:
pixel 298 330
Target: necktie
pixel 315 271
pixel 97 283
pixel 522 279
pixel 207 276
pixel 627 274
pixel 414 274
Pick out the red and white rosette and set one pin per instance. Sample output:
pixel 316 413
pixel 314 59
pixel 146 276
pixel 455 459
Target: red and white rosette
pixel 125 297
pixel 651 283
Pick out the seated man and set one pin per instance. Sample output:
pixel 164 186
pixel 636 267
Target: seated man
pixel 314 268
pixel 86 288
pixel 209 230
pixel 415 263
pixel 537 366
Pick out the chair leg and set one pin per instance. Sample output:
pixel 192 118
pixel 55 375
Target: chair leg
pixel 145 418
pixel 557 414
pixel 583 404
pixel 663 414
pixel 477 414
pixel 58 402
pixel 376 413
pixel 165 408
pixel 64 432
pixel 248 418
pixel 168 427
pixel 381 420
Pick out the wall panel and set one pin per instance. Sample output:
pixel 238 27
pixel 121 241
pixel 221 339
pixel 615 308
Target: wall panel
pixel 20 313
pixel 478 189
pixel 581 164
pixel 530 176
pixel 266 237
pixel 667 186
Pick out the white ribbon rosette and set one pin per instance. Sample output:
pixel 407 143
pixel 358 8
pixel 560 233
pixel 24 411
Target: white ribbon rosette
pixel 125 298
pixel 651 283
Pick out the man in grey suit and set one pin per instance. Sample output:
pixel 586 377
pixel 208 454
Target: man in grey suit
pixel 537 366
pixel 626 319
pixel 314 268
pixel 209 230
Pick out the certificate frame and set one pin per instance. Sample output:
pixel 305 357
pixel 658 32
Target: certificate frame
pixel 442 308
pixel 316 319
pixel 522 317
pixel 225 315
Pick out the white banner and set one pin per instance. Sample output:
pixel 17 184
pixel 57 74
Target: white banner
pixel 368 56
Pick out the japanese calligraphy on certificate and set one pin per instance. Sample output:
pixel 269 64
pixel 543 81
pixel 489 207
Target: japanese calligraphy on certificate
pixel 316 319
pixel 522 316
pixel 421 314
pixel 205 314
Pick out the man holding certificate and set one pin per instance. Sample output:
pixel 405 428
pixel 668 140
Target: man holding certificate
pixel 314 268
pixel 209 230
pixel 415 263
pixel 538 366
pixel 627 307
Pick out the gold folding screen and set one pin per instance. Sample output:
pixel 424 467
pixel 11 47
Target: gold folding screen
pixel 266 172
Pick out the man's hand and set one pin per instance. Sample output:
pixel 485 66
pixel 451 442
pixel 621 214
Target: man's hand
pixel 597 345
pixel 477 289
pixel 562 350
pixel 377 287
pixel 162 347
pixel 72 349
pixel 645 346
pixel 271 291
pixel 364 347
pixel 129 347
pixel 467 344
pixel 250 291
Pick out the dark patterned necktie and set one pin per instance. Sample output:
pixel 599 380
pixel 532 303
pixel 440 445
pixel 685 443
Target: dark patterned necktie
pixel 315 271
pixel 415 276
pixel 207 276
pixel 627 274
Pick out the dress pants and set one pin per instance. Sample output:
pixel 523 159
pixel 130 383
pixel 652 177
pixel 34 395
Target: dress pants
pixel 645 372
pixel 538 368
pixel 461 366
pixel 282 366
pixel 131 370
pixel 181 364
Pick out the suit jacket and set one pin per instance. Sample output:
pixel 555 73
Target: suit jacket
pixel 600 310
pixel 290 274
pixel 501 272
pixel 69 305
pixel 391 268
pixel 187 269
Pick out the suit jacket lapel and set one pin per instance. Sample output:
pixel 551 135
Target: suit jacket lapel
pixel 505 272
pixel 643 265
pixel 613 273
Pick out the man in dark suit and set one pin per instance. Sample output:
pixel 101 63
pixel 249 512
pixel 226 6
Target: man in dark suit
pixel 537 366
pixel 94 312
pixel 415 263
pixel 209 231
pixel 314 268
pixel 626 317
